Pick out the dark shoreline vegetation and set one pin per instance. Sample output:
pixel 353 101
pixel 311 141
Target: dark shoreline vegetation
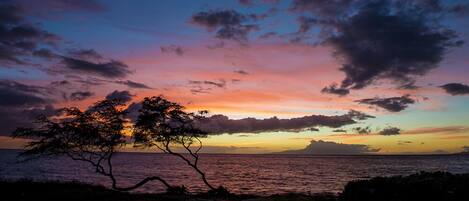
pixel 421 186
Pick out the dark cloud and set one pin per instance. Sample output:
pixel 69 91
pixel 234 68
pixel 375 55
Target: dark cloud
pixel 401 142
pixel 306 24
pixel 460 9
pixel 241 72
pixel 60 83
pixel 319 14
pixel 424 6
pixel 228 24
pixel 222 124
pixel 44 53
pixel 435 6
pixel 313 129
pixel 50 8
pixel 89 81
pixel 393 104
pixel 270 12
pixel 258 16
pixel 92 81
pixel 362 130
pixel 390 131
pixel 271 1
pixel 79 63
pixel 322 8
pixel 178 50
pixel 19 39
pixel 220 83
pixel 133 84
pixel 107 69
pixel 409 86
pixel 358 115
pixel 20 104
pixel 85 54
pixel 246 2
pixel 331 148
pixel 253 2
pixel 14 94
pixel 124 96
pixel 268 35
pixel 456 89
pixel 80 95
pixel 382 41
pixel 325 26
pixel 334 89
pixel 206 86
pixel 10 13
pixel 200 90
pixel 14 117
pixel 23 43
pixel 339 131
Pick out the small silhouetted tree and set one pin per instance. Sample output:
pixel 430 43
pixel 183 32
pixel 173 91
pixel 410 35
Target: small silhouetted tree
pixel 93 136
pixel 165 125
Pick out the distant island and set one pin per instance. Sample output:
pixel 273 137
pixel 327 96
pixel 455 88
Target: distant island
pixel 320 147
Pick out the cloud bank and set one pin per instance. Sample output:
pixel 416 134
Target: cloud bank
pixel 392 104
pixel 390 131
pixel 124 96
pixel 456 89
pixel 372 39
pixel 218 124
pixel 228 24
pixel 20 104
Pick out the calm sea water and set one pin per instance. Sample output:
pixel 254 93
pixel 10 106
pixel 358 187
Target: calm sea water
pixel 258 174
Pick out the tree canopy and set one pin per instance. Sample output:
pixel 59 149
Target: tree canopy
pixel 95 134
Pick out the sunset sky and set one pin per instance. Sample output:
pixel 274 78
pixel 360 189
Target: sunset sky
pixel 406 63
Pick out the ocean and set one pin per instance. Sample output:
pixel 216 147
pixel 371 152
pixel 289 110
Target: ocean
pixel 254 174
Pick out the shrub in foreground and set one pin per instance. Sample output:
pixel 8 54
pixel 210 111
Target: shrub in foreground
pixel 423 186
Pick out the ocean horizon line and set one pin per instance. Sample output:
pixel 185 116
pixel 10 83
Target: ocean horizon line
pixel 287 154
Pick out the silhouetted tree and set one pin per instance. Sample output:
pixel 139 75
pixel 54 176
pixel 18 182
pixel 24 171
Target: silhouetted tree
pixel 165 125
pixel 93 136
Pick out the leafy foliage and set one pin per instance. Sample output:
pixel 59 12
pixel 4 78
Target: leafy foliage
pixel 165 125
pixel 97 133
pixel 91 135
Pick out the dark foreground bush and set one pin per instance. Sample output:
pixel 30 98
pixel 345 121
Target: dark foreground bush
pixel 27 190
pixel 423 186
